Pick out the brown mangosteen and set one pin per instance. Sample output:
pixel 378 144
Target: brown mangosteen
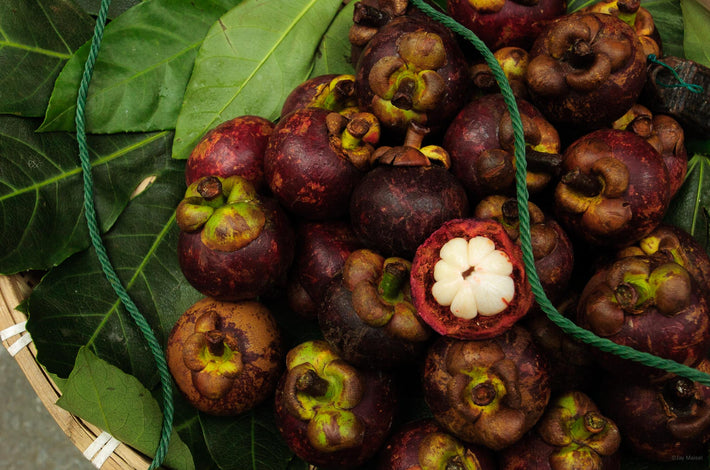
pixel 225 357
pixel 235 147
pixel 636 16
pixel 488 392
pixel 367 313
pixel 407 196
pixel 425 445
pixel 412 70
pixel 333 92
pixel 614 189
pixel 369 16
pixel 552 249
pixel 650 304
pixel 586 70
pixel 468 280
pixel 330 413
pixel 233 244
pixel 513 61
pixel 571 435
pixel 480 141
pixel 315 157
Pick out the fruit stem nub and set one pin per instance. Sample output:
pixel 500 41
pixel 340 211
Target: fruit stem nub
pixel 366 15
pixel 394 275
pixel 582 183
pixel 312 384
pixel 209 187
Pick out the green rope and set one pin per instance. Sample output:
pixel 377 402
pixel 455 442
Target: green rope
pixel 95 235
pixel 562 322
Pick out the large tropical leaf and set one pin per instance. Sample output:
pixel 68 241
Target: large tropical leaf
pixel 251 59
pixel 333 55
pixel 36 39
pixel 75 306
pixel 41 188
pixel 141 71
pixel 115 9
pixel 690 208
pixel 697 30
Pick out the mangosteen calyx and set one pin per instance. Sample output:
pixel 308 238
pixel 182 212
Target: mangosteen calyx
pixel 353 135
pixel 336 95
pixel 438 447
pixel 226 211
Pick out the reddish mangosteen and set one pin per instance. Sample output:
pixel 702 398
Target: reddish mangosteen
pixel 425 445
pixel 586 70
pixel 330 413
pixel 412 70
pixel 480 141
pixel 233 244
pixel 225 357
pixel 571 435
pixel 321 251
pixel 513 61
pixel 639 18
pixel 503 23
pixel 668 421
pixel 468 280
pixel 488 392
pixel 367 313
pixel 665 134
pixel 407 196
pixel 315 157
pixel 552 249
pixel 651 305
pixel 614 189
pixel 235 147
pixel 332 92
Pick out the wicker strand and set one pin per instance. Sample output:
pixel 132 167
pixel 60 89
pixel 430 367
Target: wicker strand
pixel 95 235
pixel 562 322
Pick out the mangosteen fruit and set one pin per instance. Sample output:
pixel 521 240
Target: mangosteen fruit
pixel 651 305
pixel 513 61
pixel 488 392
pixel 225 357
pixel 235 147
pixel 552 249
pixel 636 16
pixel 330 413
pixel 368 17
pixel 504 23
pixel 315 157
pixel 468 280
pixel 412 70
pixel 423 444
pixel 407 195
pixel 586 70
pixel 614 189
pixel 571 435
pixel 334 92
pixel 480 141
pixel 368 316
pixel 233 243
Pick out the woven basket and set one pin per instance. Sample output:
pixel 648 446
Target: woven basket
pixel 89 439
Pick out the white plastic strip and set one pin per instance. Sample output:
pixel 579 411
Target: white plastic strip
pixel 105 453
pixel 17 346
pixel 13 330
pixel 96 446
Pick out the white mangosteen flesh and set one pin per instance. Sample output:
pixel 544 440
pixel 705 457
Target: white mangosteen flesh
pixel 473 278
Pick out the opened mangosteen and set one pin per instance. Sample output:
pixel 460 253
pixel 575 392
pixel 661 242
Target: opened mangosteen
pixel 504 23
pixel 468 280
pixel 407 196
pixel 225 357
pixel 330 413
pixel 571 435
pixel 233 244
pixel 614 189
pixel 667 421
pixel 333 92
pixel 235 147
pixel 488 392
pixel 425 445
pixel 636 16
pixel 650 304
pixel 367 313
pixel 552 249
pixel 586 70
pixel 412 70
pixel 481 144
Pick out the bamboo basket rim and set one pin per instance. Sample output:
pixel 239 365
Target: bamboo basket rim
pixel 13 290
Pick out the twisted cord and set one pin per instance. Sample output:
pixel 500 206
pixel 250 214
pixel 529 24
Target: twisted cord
pixel 558 319
pixel 95 235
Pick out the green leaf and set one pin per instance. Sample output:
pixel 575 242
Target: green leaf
pixel 115 9
pixel 333 55
pixel 118 404
pixel 697 29
pixel 41 188
pixel 143 66
pixel 247 65
pixel 669 21
pixel 36 39
pixel 74 305
pixel 690 208
pixel 250 440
